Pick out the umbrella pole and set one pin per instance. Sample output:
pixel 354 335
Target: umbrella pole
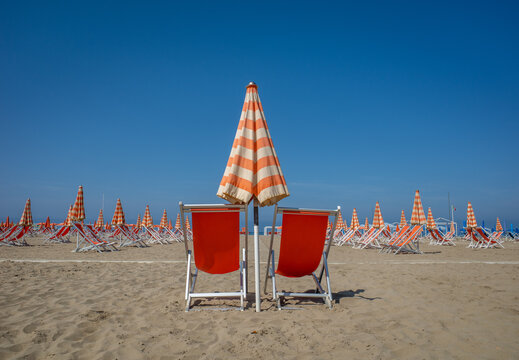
pixel 256 257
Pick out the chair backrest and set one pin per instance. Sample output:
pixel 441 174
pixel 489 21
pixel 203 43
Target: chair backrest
pixel 216 236
pixel 302 242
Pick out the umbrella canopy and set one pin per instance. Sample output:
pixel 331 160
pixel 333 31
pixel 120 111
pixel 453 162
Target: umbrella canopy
pixel 47 223
pixel 340 222
pixel 7 222
pixel 118 218
pixel 68 221
pixel 499 227
pixel 355 220
pixel 431 224
pixel 78 210
pixel 453 230
pixel 147 220
pixel 100 220
pixel 471 218
pixel 164 219
pixel 378 222
pixel 253 169
pixel 403 221
pixel 26 219
pixel 139 223
pixel 170 225
pixel 418 216
pixel 366 224
pixel 108 226
pixel 178 226
pixel 188 225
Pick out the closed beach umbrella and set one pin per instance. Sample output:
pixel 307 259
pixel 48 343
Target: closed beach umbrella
pixel 147 220
pixel 68 220
pixel 100 220
pixel 355 220
pixel 403 221
pixel 78 210
pixel 178 226
pixel 108 226
pixel 26 219
pixel 253 170
pixel 418 216
pixel 499 227
pixel 7 222
pixel 139 223
pixel 118 218
pixel 453 230
pixel 170 225
pixel 471 218
pixel 47 223
pixel 431 224
pixel 340 222
pixel 188 225
pixel 366 225
pixel 378 222
pixel 164 219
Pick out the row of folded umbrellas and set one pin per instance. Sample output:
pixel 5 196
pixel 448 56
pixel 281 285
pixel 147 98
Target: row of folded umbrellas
pixel 76 212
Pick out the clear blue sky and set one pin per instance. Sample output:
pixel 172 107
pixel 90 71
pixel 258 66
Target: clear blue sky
pixel 366 102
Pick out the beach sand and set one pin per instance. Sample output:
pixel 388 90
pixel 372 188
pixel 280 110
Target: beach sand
pixel 451 302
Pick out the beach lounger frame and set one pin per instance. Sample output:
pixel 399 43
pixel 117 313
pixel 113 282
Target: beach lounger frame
pixel 198 239
pixel 310 270
pixel 88 240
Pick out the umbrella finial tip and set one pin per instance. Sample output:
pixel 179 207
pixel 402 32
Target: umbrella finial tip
pixel 252 83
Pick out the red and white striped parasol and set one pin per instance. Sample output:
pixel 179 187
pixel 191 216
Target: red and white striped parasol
pixel 164 219
pixel 188 225
pixel 340 222
pixel 139 223
pixel 403 221
pixel 366 224
pixel 431 224
pixel 378 221
pixel 78 210
pixel 499 227
pixel 26 219
pixel 118 218
pixel 418 216
pixel 100 220
pixel 355 220
pixel 68 220
pixel 471 218
pixel 147 220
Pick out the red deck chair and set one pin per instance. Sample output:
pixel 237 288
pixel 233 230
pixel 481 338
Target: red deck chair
pixel 303 247
pixel 216 247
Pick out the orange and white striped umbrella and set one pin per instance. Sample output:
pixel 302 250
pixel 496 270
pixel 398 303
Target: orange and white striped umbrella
pixel 253 169
pixel 340 222
pixel 378 222
pixel 355 220
pixel 418 216
pixel 164 219
pixel 108 226
pixel 366 224
pixel 452 227
pixel 26 219
pixel 431 224
pixel 118 218
pixel 170 225
pixel 178 226
pixel 499 227
pixel 471 218
pixel 188 225
pixel 139 223
pixel 78 210
pixel 47 223
pixel 403 221
pixel 100 220
pixel 147 220
pixel 68 220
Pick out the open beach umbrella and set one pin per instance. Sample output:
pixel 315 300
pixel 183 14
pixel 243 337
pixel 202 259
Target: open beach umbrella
pixel 253 171
pixel 471 218
pixel 431 224
pixel 147 220
pixel 499 227
pixel 164 219
pixel 26 219
pixel 378 222
pixel 355 220
pixel 118 218
pixel 403 221
pixel 100 220
pixel 178 226
pixel 78 210
pixel 418 216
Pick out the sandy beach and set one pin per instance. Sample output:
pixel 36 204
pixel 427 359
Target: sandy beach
pixel 451 302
